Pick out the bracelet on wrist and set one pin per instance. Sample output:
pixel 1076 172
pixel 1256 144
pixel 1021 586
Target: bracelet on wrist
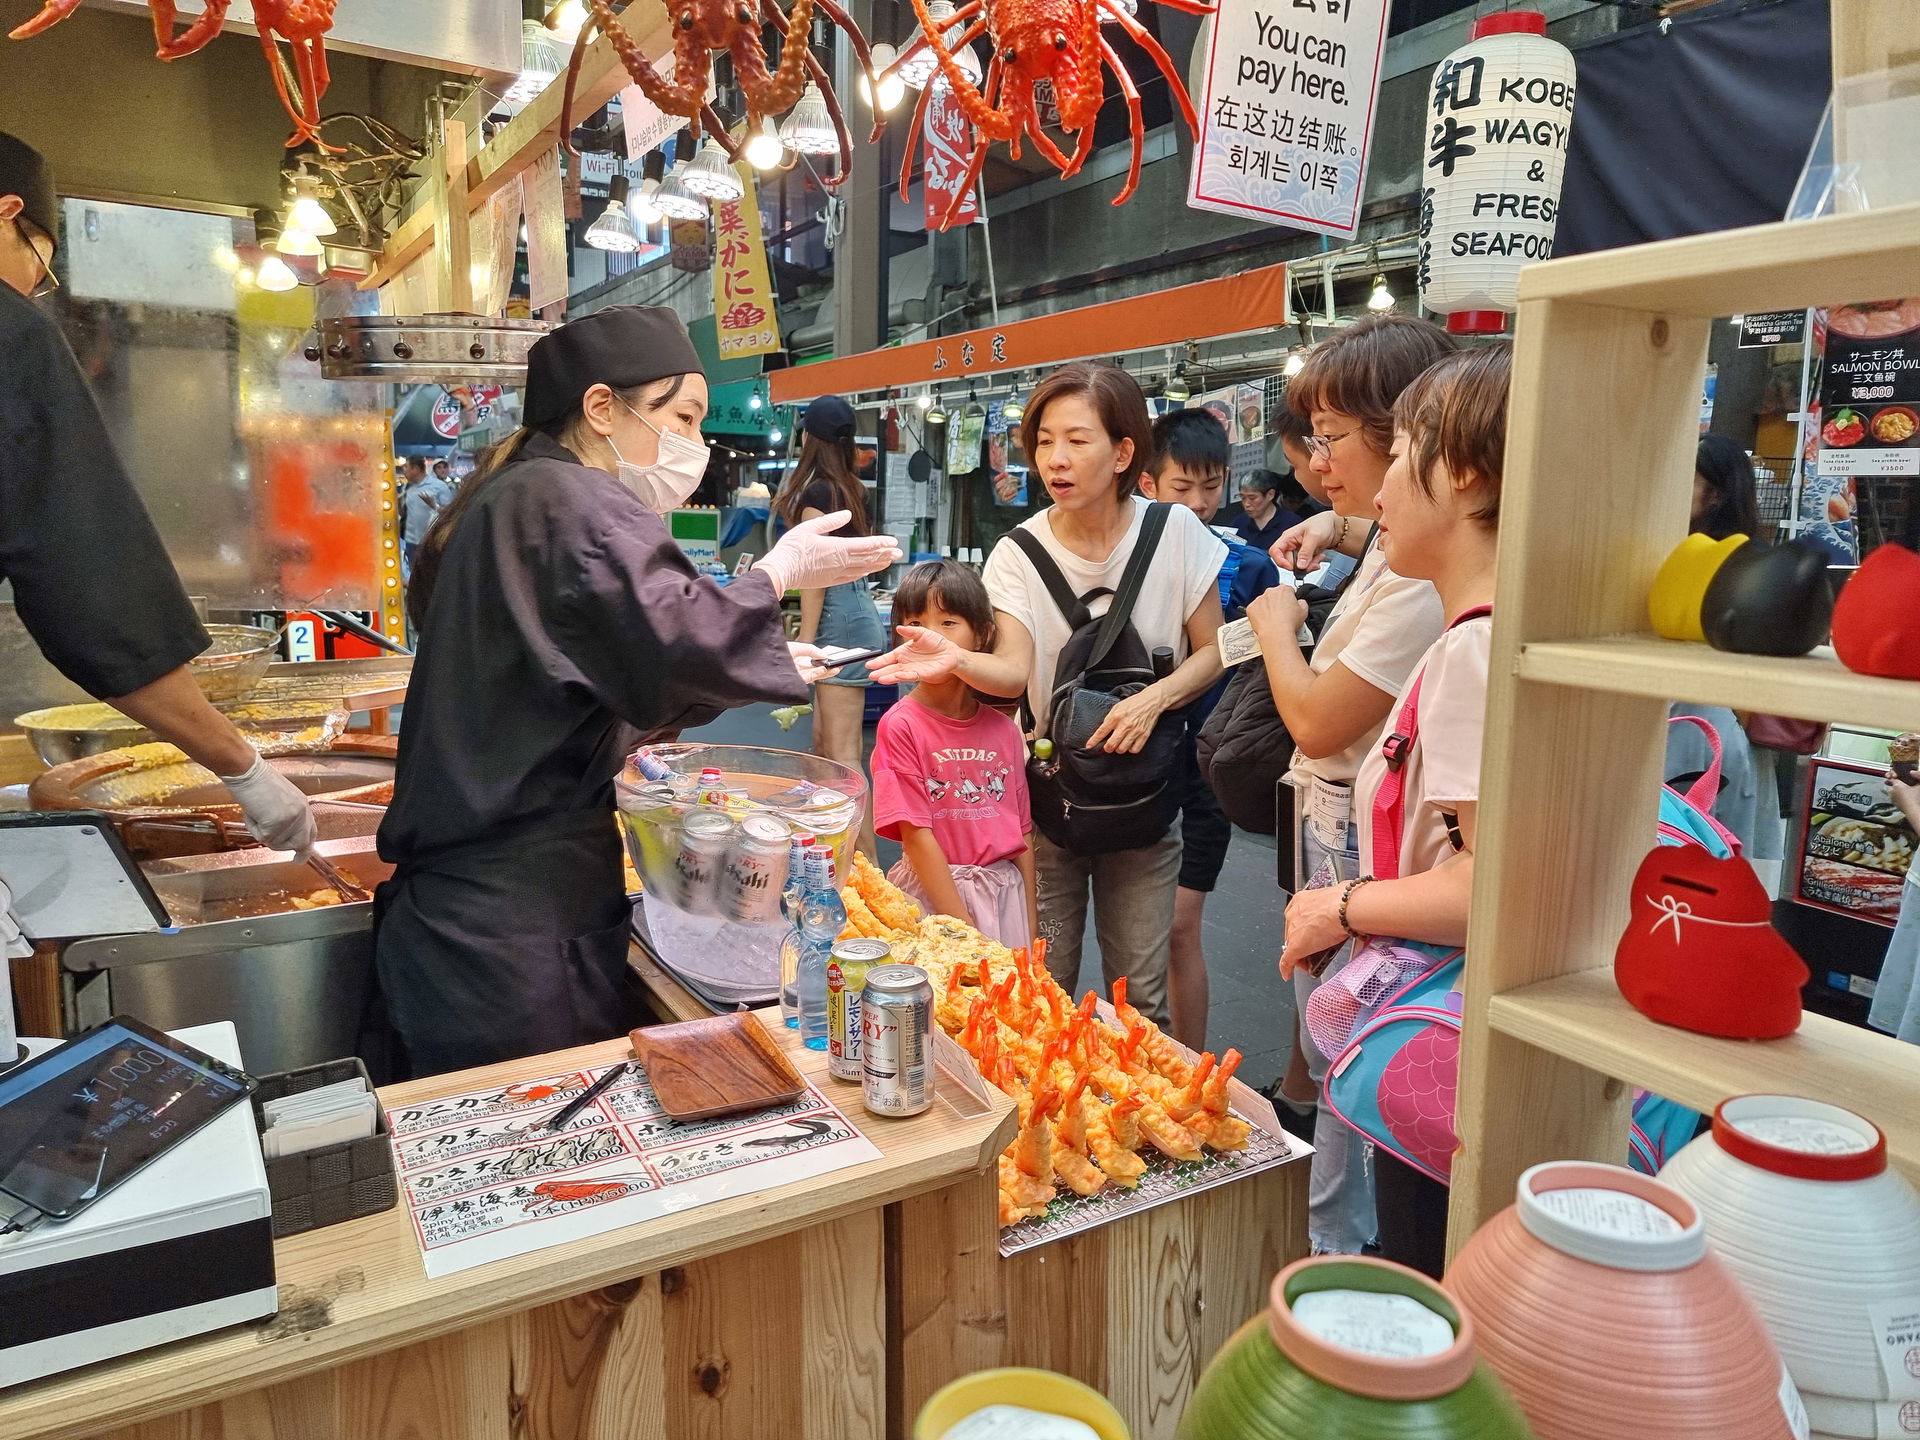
pixel 1346 895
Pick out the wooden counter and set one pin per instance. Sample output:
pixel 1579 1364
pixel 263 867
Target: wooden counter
pixel 758 1316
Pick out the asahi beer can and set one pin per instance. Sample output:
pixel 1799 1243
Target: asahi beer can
pixel 847 969
pixel 896 1040
pixel 755 871
pixel 705 836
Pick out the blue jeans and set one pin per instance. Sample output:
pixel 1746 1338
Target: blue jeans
pixel 849 619
pixel 1340 1218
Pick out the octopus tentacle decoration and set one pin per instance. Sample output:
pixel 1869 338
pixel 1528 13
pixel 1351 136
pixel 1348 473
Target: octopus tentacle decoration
pixel 704 28
pixel 303 24
pixel 1034 40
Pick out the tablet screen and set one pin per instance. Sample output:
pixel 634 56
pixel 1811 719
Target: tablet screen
pixel 78 1120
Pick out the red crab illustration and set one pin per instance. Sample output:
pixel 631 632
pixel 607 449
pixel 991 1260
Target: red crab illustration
pixel 532 1093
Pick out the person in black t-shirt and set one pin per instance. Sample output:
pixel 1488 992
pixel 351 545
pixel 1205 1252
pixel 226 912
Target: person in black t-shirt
pixel 91 580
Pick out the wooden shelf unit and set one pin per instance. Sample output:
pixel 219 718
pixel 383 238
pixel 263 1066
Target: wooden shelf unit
pixel 1609 351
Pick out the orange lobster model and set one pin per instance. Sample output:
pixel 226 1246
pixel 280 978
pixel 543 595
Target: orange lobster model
pixel 704 28
pixel 1058 41
pixel 303 24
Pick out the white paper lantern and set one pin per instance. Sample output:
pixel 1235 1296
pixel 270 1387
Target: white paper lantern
pixel 1496 150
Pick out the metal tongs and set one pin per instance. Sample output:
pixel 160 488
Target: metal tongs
pixel 349 889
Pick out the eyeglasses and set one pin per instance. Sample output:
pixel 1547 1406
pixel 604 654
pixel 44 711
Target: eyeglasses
pixel 48 282
pixel 1322 445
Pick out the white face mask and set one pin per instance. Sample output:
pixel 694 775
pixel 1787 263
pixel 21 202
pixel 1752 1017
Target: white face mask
pixel 673 476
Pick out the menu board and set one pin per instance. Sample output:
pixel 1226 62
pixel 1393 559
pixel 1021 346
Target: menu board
pixel 1854 845
pixel 484 1177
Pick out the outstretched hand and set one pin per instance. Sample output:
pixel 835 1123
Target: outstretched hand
pixel 925 656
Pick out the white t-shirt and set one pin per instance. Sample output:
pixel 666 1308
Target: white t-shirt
pixel 1380 628
pixel 1443 770
pixel 1186 565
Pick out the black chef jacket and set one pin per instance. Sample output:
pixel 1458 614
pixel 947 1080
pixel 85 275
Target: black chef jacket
pixel 565 625
pixel 91 580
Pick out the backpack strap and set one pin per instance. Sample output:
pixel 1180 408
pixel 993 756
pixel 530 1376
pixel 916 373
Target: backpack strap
pixel 1071 605
pixel 1704 791
pixel 1120 611
pixel 1390 800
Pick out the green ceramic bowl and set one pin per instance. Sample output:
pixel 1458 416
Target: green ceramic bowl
pixel 1275 1381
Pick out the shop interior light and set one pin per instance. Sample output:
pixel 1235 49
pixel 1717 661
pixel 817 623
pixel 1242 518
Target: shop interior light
pixel 1177 388
pixel 541 62
pixel 923 70
pixel 674 200
pixel 892 88
pixel 1014 410
pixel 1296 362
pixel 809 127
pixel 306 212
pixel 275 274
pixel 641 204
pixel 1382 297
pixel 937 413
pixel 566 18
pixel 926 399
pixel 295 241
pixel 753 401
pixel 615 230
pixel 712 174
pixel 764 150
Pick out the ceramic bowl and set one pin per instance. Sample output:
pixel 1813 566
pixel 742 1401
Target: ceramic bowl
pixel 1595 1299
pixel 1799 1202
pixel 1040 1390
pixel 1845 1419
pixel 1355 1348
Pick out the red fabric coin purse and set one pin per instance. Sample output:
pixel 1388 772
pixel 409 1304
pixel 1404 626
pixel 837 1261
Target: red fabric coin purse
pixel 1876 624
pixel 1701 952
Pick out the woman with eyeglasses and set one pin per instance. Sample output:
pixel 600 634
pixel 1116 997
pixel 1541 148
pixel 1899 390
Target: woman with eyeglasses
pixel 1336 703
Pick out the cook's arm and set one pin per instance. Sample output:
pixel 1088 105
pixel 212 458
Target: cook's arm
pixel 174 708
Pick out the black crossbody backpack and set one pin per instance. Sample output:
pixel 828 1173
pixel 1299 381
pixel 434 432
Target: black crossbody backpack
pixel 1086 801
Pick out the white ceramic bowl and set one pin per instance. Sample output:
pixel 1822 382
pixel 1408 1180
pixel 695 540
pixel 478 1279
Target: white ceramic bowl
pixel 1799 1202
pixel 1862 1419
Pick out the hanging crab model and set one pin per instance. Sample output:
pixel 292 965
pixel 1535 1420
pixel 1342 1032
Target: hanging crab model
pixel 303 24
pixel 1035 40
pixel 703 28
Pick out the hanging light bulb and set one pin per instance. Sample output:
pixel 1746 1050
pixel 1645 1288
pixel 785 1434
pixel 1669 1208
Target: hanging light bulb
pixel 809 128
pixel 1177 389
pixel 1381 298
pixel 642 204
pixel 566 18
pixel 712 174
pixel 764 150
pixel 925 400
pixel 295 241
pixel 674 200
pixel 540 63
pixel 753 401
pixel 892 88
pixel 1014 410
pixel 936 413
pixel 776 436
pixel 306 212
pixel 276 274
pixel 615 230
pixel 1296 362
pixel 923 70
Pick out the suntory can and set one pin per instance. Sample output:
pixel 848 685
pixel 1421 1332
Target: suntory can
pixel 896 1040
pixel 847 968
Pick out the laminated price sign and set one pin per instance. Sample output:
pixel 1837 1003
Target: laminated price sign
pixel 742 292
pixel 1287 112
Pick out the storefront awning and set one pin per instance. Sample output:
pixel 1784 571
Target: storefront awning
pixel 1232 305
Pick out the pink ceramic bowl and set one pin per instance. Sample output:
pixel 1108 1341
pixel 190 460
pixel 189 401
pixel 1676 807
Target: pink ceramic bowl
pixel 1596 1301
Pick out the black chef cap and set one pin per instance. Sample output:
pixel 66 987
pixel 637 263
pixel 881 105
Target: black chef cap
pixel 622 346
pixel 25 172
pixel 829 418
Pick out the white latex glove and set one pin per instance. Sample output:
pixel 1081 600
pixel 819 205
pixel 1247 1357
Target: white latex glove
pixel 13 945
pixel 811 557
pixel 277 813
pixel 1304 546
pixel 806 660
pixel 925 656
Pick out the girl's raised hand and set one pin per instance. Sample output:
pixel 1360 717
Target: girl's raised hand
pixel 925 656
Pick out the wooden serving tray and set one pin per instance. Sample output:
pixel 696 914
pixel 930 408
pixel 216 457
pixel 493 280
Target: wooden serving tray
pixel 718 1066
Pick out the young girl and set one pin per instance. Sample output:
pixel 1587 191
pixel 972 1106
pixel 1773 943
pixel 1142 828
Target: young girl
pixel 949 774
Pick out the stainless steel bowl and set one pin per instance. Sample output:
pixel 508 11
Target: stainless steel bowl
pixel 236 661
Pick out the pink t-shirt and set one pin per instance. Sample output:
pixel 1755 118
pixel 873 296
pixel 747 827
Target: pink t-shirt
pixel 965 780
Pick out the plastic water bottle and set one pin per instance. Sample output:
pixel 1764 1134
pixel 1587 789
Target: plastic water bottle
pixel 822 918
pixel 790 898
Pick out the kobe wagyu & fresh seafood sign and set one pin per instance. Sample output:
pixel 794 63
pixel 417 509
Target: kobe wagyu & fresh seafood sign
pixel 1287 111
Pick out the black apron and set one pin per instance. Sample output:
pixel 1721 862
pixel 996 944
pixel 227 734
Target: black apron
pixel 473 974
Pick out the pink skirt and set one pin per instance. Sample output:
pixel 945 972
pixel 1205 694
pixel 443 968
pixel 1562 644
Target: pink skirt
pixel 995 896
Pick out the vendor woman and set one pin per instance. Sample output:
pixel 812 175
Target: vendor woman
pixel 560 626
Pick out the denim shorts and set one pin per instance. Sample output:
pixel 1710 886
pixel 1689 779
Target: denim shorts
pixel 850 619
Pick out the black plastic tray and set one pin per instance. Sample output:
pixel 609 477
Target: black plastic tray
pixel 336 1182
